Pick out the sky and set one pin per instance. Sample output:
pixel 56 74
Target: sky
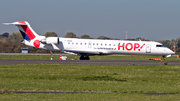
pixel 149 19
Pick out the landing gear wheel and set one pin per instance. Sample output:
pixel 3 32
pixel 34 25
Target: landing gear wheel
pixel 163 57
pixel 84 58
pixel 87 58
pixel 81 58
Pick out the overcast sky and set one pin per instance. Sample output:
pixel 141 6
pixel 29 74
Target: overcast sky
pixel 150 19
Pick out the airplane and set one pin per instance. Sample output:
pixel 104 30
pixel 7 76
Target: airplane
pixel 89 47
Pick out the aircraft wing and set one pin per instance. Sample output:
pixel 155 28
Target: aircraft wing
pixel 89 52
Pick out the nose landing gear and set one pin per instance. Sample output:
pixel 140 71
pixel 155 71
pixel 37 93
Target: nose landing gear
pixel 163 57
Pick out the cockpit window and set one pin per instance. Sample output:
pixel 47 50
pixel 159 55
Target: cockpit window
pixel 160 46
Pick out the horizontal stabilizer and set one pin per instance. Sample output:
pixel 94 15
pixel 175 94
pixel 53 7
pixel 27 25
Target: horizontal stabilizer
pixel 14 23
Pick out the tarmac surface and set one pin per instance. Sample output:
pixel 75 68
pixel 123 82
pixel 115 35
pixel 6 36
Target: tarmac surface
pixel 91 62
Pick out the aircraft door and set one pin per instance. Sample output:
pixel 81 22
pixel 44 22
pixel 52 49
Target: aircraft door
pixel 89 45
pixel 148 48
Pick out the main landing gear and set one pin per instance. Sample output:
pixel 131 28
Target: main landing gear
pixel 84 58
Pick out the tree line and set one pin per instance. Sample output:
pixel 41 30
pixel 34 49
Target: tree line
pixel 12 43
pixel 85 36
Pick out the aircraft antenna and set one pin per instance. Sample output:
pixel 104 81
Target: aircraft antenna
pixel 126 35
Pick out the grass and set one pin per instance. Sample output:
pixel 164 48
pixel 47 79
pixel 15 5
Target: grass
pixel 74 57
pixel 87 97
pixel 90 78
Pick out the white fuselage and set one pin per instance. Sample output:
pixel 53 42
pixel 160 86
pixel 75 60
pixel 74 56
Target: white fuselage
pixel 104 47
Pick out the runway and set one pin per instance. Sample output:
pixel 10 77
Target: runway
pixel 90 62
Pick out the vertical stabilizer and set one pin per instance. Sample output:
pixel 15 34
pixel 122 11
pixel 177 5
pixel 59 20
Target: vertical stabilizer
pixel 24 27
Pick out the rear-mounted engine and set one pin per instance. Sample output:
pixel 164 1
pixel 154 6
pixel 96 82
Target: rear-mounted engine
pixel 50 40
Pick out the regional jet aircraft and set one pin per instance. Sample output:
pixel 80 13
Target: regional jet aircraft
pixel 88 47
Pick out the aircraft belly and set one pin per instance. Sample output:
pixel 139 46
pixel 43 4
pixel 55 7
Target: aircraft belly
pixel 128 52
pixel 82 51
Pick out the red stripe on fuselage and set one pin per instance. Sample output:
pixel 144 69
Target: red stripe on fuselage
pixel 27 30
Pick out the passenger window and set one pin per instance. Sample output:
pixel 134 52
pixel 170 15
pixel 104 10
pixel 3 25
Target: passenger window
pixel 109 44
pixel 80 43
pixel 76 43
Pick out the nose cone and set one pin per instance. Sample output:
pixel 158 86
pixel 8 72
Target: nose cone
pixel 171 52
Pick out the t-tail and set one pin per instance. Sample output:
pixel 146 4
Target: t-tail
pixel 27 32
pixel 31 38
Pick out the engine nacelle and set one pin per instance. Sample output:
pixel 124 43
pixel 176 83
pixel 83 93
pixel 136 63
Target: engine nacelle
pixel 50 40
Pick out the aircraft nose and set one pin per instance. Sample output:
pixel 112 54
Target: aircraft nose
pixel 171 52
pixel 168 51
